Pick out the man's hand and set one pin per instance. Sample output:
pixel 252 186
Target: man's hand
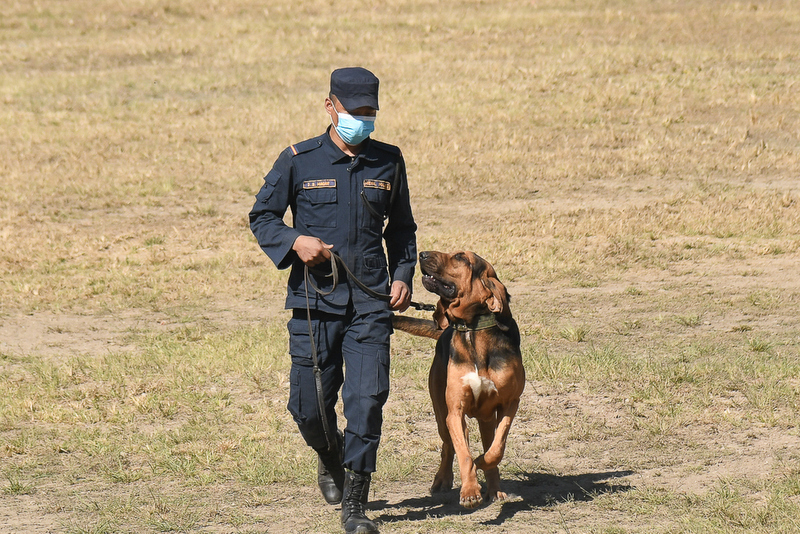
pixel 401 296
pixel 311 250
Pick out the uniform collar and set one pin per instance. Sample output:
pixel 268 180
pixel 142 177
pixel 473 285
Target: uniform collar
pixel 335 153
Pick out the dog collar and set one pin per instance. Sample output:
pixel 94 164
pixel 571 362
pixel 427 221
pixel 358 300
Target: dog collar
pixel 482 323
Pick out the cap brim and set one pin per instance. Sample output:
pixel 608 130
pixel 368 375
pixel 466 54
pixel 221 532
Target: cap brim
pixel 358 101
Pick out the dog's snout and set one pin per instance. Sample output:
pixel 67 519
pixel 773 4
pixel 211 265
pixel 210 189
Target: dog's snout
pixel 424 255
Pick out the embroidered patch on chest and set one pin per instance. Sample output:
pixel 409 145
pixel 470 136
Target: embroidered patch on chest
pixel 378 184
pixel 319 184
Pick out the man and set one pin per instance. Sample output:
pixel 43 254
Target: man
pixel 348 193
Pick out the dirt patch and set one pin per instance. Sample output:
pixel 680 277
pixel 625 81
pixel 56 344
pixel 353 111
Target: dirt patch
pixel 49 333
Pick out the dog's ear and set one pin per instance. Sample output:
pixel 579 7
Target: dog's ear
pixel 440 317
pixel 498 296
pixel 497 301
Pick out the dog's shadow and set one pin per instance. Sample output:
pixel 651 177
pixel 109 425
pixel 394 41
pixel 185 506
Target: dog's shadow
pixel 526 491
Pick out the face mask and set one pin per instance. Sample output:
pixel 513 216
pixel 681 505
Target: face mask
pixel 353 130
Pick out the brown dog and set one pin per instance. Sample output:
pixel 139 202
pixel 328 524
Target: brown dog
pixel 477 369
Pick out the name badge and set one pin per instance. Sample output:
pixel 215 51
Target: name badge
pixel 319 184
pixel 378 184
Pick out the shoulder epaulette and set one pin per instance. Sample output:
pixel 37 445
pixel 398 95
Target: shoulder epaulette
pixel 386 147
pixel 305 146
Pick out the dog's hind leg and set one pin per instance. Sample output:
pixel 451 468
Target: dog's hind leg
pixel 443 481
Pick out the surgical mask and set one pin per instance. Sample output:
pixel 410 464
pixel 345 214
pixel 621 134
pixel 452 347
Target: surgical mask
pixel 353 130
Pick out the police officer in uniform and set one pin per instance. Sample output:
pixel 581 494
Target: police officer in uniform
pixel 348 194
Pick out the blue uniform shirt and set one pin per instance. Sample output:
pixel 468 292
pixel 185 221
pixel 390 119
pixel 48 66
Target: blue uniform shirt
pixel 323 187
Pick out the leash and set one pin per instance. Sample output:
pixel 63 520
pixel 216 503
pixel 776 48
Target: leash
pixel 335 262
pixel 317 371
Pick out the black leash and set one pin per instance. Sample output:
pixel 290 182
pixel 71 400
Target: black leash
pixel 335 262
pixel 317 372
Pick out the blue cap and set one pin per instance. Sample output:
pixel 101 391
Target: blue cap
pixel 355 87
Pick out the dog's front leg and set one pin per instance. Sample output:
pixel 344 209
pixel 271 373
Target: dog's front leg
pixel 491 458
pixel 492 475
pixel 470 489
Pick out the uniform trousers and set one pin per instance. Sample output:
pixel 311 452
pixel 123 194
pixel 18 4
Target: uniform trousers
pixel 353 354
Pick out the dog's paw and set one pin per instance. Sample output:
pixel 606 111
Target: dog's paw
pixel 493 496
pixel 470 499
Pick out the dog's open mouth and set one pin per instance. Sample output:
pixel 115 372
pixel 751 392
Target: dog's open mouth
pixel 441 288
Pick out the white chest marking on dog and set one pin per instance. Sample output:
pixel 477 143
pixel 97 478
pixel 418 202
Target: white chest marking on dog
pixel 478 384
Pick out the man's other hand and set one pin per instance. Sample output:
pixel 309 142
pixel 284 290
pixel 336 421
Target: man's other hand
pixel 311 250
pixel 401 296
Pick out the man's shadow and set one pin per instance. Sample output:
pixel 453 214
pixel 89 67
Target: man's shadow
pixel 526 491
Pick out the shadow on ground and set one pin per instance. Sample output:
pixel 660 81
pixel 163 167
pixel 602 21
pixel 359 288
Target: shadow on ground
pixel 526 492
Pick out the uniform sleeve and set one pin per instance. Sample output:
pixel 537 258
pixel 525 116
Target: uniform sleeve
pixel 266 218
pixel 400 233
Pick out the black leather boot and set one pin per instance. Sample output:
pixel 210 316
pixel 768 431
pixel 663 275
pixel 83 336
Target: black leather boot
pixel 330 473
pixel 354 520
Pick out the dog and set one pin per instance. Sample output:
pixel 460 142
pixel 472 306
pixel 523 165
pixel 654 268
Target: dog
pixel 477 368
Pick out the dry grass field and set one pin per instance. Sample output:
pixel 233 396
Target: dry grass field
pixel 630 167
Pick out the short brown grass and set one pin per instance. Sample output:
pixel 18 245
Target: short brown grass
pixel 629 167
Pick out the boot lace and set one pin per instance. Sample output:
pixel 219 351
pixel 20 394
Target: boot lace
pixel 353 503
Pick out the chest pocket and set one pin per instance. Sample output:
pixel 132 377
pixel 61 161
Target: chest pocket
pixel 318 206
pixel 376 196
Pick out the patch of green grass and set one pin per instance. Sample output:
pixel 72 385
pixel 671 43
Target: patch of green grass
pixel 626 328
pixel 759 345
pixel 16 486
pixel 154 240
pixel 101 527
pixel 575 334
pixel 690 320
pixel 764 300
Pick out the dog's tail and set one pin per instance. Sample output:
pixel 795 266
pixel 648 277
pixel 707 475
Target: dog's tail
pixel 416 327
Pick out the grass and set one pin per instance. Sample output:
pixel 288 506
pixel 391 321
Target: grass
pixel 576 334
pixel 629 169
pixel 17 487
pixel 725 508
